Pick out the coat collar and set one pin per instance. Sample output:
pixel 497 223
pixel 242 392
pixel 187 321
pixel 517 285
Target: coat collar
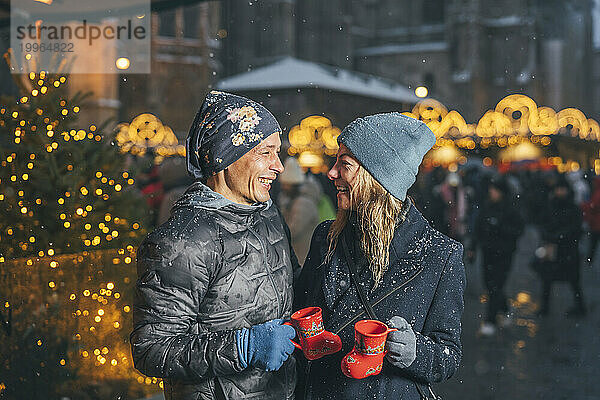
pixel 406 254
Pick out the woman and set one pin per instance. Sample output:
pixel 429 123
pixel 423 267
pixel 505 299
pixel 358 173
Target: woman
pixel 412 275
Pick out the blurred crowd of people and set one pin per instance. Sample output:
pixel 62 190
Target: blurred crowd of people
pixel 487 211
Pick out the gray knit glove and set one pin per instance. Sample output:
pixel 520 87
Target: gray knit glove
pixel 401 344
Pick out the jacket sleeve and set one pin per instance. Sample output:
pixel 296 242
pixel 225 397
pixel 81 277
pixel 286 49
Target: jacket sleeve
pixel 439 349
pixel 165 341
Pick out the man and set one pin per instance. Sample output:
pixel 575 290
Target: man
pixel 410 274
pixel 497 229
pixel 561 231
pixel 215 281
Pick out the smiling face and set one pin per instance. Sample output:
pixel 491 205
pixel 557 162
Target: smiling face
pixel 248 180
pixel 343 174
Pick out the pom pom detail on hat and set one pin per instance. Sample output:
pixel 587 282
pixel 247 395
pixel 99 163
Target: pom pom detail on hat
pixel 391 147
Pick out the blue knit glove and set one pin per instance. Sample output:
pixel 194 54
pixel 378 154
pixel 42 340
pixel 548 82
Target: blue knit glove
pixel 266 346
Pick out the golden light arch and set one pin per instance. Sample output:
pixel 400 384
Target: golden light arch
pixel 518 108
pixel 593 129
pixel 147 132
pixel 514 115
pixel 453 124
pixel 494 123
pixel 429 110
pixel 543 121
pixel 575 119
pixel 314 136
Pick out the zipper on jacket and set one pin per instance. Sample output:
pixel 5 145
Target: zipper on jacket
pixel 264 252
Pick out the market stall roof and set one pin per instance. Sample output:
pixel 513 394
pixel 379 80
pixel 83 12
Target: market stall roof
pixel 292 73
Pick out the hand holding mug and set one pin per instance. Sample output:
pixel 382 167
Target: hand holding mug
pixel 315 341
pixel 401 344
pixel 366 358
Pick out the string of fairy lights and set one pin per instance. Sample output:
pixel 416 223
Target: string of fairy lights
pixel 74 205
pixel 81 213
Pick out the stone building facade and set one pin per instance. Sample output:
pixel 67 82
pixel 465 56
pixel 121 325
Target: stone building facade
pixel 468 53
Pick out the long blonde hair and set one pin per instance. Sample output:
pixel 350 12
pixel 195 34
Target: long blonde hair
pixel 377 214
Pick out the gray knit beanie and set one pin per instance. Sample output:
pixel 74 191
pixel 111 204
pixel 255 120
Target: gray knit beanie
pixel 391 147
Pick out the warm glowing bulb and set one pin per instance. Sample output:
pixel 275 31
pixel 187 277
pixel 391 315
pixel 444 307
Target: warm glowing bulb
pixel 421 91
pixel 122 63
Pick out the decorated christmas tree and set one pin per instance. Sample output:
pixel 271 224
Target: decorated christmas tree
pixel 70 219
pixel 63 188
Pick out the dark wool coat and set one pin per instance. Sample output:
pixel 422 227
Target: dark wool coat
pixel 212 268
pixel 562 226
pixel 424 284
pixel 498 226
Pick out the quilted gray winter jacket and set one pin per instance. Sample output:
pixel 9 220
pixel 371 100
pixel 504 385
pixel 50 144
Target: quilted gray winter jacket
pixel 214 267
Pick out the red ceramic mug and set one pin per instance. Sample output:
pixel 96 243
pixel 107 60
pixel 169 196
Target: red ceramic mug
pixel 366 358
pixel 315 341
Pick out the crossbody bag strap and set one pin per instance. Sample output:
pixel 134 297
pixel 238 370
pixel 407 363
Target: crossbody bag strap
pixel 363 299
pixel 352 268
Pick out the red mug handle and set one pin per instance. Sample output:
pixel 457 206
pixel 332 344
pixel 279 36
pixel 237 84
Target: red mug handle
pixel 294 343
pixel 388 331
